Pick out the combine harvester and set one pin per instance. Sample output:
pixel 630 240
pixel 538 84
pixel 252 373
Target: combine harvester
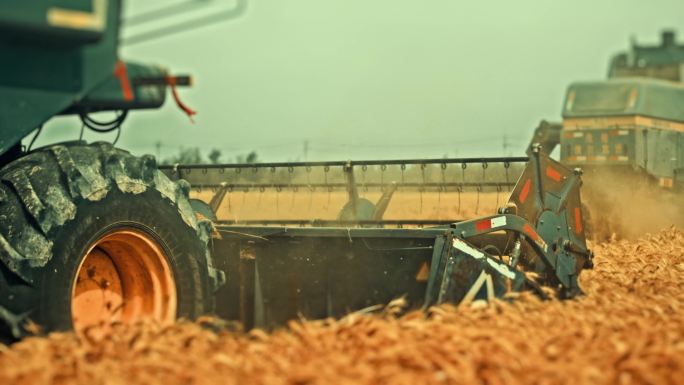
pixel 627 135
pixel 91 234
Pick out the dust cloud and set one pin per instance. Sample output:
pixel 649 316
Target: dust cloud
pixel 625 204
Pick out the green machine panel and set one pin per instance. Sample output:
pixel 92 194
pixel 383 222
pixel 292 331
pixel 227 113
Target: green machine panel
pixel 65 21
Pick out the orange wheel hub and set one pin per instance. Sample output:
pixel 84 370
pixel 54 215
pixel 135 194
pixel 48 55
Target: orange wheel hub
pixel 124 277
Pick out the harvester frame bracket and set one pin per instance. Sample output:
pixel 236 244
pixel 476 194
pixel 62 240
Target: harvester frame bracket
pixel 543 222
pixel 440 255
pixel 460 272
pixel 508 222
pixel 547 198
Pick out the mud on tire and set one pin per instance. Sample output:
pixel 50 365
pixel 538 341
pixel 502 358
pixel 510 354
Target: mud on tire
pixel 57 202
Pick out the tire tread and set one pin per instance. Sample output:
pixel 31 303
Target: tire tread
pixel 41 191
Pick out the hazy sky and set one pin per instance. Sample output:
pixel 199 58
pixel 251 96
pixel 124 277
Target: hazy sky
pixel 380 78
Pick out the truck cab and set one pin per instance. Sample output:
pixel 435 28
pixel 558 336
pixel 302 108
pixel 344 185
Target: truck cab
pixel 631 124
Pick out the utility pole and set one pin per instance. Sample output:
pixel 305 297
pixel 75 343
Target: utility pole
pixel 158 145
pixel 506 145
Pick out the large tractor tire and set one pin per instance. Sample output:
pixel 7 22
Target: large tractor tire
pixel 91 235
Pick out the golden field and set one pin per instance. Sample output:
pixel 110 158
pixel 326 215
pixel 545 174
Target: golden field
pixel 628 329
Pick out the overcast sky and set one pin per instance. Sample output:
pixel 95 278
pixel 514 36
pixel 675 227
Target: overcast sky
pixel 381 78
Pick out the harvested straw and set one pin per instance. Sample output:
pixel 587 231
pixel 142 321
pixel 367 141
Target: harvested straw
pixel 628 329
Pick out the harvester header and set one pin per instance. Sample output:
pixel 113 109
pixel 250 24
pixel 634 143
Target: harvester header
pixel 280 269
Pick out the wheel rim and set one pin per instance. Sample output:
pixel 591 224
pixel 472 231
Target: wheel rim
pixel 124 277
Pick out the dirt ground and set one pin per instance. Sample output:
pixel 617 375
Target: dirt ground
pixel 628 329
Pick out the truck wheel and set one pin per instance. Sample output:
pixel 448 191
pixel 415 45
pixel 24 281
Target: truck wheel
pixel 92 235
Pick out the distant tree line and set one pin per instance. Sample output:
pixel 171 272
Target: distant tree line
pixel 193 155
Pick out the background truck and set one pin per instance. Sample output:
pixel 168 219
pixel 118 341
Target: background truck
pixel 627 135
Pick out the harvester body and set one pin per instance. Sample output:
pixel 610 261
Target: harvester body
pixel 92 234
pixel 60 57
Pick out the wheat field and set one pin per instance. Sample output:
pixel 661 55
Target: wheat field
pixel 305 205
pixel 627 329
